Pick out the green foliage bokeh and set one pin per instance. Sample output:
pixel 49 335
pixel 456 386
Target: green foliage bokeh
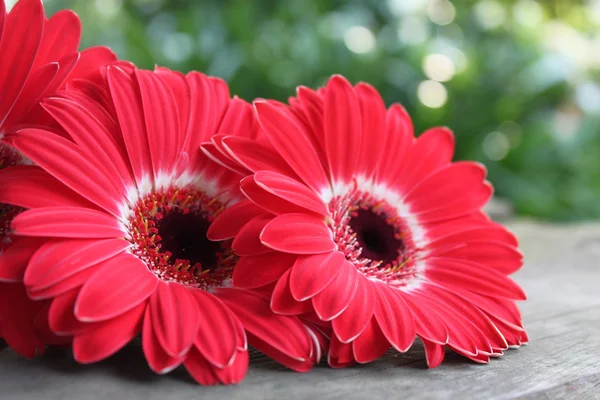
pixel 526 102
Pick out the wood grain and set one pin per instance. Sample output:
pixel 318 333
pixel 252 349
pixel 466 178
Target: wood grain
pixel 562 361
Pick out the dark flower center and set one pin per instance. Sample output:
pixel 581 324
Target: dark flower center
pixel 184 236
pixel 376 236
pixel 168 232
pixel 373 237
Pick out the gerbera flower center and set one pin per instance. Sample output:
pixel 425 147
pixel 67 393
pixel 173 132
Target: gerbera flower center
pixel 373 237
pixel 168 232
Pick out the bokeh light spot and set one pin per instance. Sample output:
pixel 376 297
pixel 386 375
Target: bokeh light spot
pixel 438 67
pixel 359 39
pixel 432 94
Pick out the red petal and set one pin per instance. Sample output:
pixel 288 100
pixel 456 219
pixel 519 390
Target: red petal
pixel 252 272
pixel 462 182
pixel 59 259
pixel 282 358
pixel 59 288
pixel 371 344
pixel 61 38
pixel 372 113
pixel 22 35
pixel 29 186
pixel 247 242
pixel 352 322
pixel 282 301
pixel 130 112
pixel 500 257
pixel 456 273
pixel 68 222
pixel 291 190
pixel 398 136
pixel 17 313
pixel 61 317
pixel 292 144
pixel 122 283
pixel 66 162
pixel 299 234
pixel 108 337
pixel 200 369
pixel 336 297
pixel 218 333
pixel 13 260
pixel 394 318
pixel 175 317
pixel 285 334
pixel 432 150
pixel 90 61
pixel 93 138
pixel 266 200
pixel 32 92
pixel 234 373
pixel 428 325
pixel 162 121
pixel 209 101
pixel 158 359
pixel 342 129
pixel 340 354
pixel 311 274
pixel 229 222
pixel 501 309
pixel 256 156
pixel 434 353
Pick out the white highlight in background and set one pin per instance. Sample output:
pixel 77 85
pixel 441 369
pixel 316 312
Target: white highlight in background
pixel 359 39
pixel 432 94
pixel 439 67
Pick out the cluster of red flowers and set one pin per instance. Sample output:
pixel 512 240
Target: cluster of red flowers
pixel 154 203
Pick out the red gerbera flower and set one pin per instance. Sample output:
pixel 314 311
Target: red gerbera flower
pixel 128 252
pixel 353 218
pixel 38 57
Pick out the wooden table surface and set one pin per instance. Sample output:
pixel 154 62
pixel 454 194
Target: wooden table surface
pixel 561 277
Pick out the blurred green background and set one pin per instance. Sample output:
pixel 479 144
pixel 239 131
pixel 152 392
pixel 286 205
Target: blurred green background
pixel 517 81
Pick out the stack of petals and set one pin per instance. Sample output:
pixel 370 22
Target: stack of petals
pixel 154 203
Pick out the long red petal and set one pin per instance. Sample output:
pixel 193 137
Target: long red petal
pixel 175 317
pixel 121 284
pixel 247 242
pixel 217 335
pixel 130 112
pixel 290 190
pixel 108 337
pixel 158 359
pixel 60 259
pixel 284 333
pixel 372 115
pixel 29 186
pixel 229 222
pixel 24 24
pixel 371 344
pixel 395 319
pixel 252 272
pixel 66 162
pixel 309 235
pixel 342 129
pixel 68 222
pixel 282 301
pixel 337 296
pixel 311 274
pixel 290 141
pixel 352 322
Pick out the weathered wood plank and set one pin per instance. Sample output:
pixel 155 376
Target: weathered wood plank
pixel 561 277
